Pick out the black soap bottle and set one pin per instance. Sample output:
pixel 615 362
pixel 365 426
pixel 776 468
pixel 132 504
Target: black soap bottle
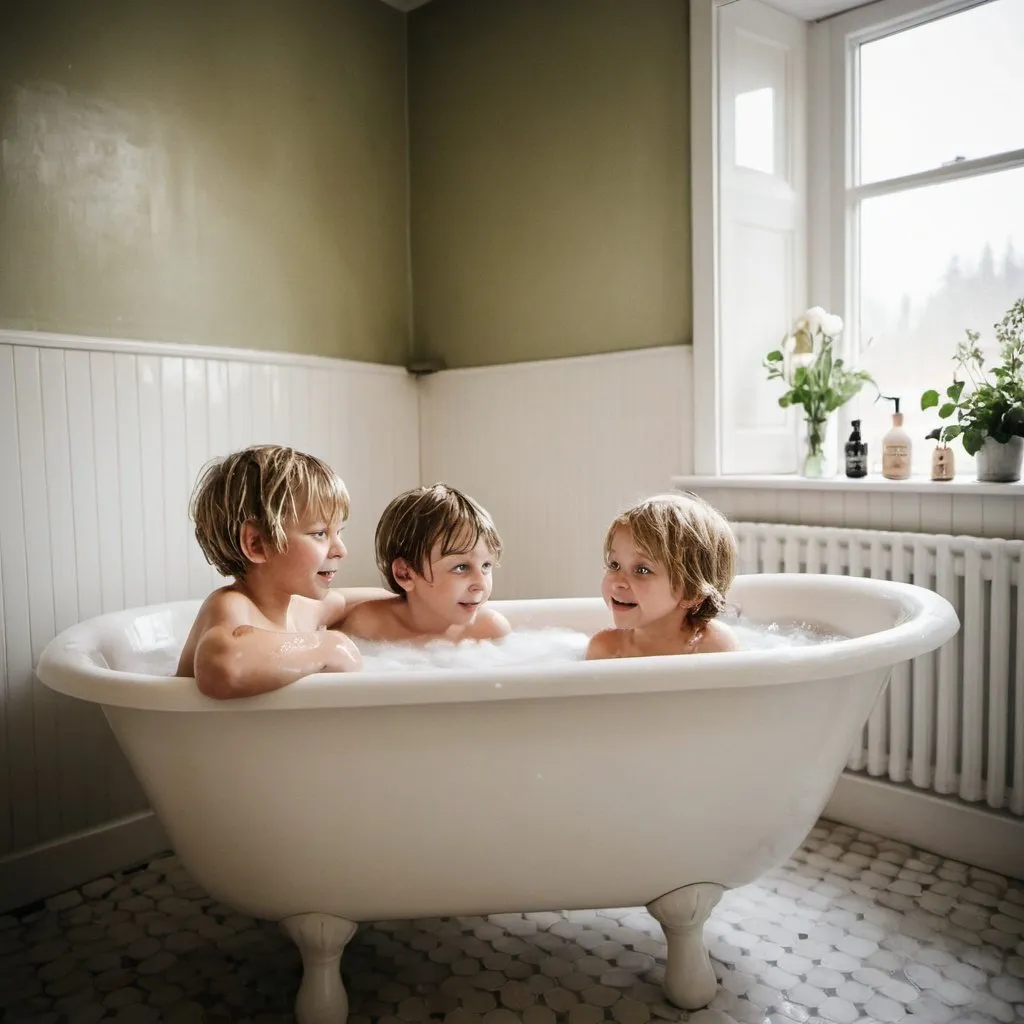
pixel 856 453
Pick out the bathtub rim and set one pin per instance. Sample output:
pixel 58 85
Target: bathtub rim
pixel 927 621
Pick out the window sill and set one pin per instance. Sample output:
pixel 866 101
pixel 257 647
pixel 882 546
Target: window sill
pixel 965 486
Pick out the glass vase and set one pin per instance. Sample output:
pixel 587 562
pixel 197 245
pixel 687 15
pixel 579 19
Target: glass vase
pixel 817 450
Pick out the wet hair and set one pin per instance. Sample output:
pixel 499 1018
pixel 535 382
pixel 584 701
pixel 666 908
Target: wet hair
pixel 269 485
pixel 692 540
pixel 417 520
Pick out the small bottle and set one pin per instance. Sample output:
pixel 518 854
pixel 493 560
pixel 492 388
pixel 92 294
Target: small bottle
pixel 856 453
pixel 896 447
pixel 943 463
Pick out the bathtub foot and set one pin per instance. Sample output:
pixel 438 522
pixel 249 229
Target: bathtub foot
pixel 689 977
pixel 321 939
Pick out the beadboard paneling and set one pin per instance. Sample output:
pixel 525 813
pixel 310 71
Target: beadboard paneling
pixel 956 513
pixel 100 443
pixel 555 449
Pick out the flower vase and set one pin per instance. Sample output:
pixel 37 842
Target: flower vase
pixel 817 456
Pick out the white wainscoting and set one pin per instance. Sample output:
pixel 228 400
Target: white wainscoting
pixel 555 449
pixel 100 443
pixel 962 508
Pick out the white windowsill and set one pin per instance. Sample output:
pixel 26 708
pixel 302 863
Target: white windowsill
pixel 965 486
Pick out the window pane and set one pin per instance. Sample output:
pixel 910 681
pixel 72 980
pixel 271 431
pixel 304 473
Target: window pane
pixel 933 262
pixel 755 130
pixel 947 90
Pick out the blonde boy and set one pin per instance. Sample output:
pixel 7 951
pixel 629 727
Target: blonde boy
pixel 669 562
pixel 271 518
pixel 436 549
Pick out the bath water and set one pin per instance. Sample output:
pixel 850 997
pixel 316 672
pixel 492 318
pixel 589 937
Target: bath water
pixel 544 647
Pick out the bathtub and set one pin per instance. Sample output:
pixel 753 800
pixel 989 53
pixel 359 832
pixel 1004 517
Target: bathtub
pixel 657 781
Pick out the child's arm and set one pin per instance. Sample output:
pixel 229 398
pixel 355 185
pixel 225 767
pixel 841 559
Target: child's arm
pixel 603 645
pixel 339 603
pixel 374 619
pixel 236 659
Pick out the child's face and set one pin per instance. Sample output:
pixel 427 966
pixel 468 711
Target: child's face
pixel 637 588
pixel 314 555
pixel 452 587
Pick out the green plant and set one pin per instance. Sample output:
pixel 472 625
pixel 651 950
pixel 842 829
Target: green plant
pixel 816 379
pixel 994 406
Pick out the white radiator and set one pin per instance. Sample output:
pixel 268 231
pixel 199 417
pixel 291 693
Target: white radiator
pixel 951 721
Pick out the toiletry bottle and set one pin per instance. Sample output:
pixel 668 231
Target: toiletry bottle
pixel 896 447
pixel 856 453
pixel 943 463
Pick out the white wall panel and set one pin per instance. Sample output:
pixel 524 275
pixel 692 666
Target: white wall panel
pixel 555 449
pixel 100 444
pixel 958 512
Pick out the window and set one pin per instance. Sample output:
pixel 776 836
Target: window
pixel 928 194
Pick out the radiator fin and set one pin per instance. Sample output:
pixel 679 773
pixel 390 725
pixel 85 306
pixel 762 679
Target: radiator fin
pixel 951 721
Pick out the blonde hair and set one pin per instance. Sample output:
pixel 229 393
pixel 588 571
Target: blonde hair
pixel 420 518
pixel 268 485
pixel 691 539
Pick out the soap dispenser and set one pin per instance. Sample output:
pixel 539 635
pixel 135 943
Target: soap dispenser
pixel 856 452
pixel 896 446
pixel 943 463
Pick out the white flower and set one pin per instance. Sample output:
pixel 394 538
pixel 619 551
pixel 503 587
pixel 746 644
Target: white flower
pixel 832 325
pixel 789 344
pixel 802 359
pixel 815 318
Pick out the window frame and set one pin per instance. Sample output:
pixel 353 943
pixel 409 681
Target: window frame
pixel 831 244
pixel 833 84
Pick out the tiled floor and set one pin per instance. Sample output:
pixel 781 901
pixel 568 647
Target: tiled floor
pixel 853 928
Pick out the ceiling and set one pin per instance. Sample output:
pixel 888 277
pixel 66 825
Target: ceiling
pixel 812 10
pixel 405 5
pixel 808 10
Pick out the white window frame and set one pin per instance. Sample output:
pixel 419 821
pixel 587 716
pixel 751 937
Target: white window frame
pixel 832 193
pixel 833 243
pixel 706 398
pixel 713 435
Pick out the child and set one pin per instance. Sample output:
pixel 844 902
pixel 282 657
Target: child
pixel 270 517
pixel 668 564
pixel 436 548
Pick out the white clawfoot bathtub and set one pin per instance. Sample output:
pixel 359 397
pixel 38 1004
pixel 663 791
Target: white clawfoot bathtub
pixel 656 781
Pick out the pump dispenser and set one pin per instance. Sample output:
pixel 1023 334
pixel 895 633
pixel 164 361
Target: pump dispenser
pixel 896 446
pixel 856 452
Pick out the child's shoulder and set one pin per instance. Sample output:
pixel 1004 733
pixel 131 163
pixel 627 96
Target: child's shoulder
pixel 606 644
pixel 226 608
pixel 716 638
pixel 227 603
pixel 489 625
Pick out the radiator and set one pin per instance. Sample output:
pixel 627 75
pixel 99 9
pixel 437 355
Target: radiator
pixel 951 721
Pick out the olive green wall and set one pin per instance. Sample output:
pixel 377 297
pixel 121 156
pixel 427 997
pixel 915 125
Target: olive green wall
pixel 225 172
pixel 549 167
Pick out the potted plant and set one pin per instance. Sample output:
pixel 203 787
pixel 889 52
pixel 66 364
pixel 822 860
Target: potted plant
pixel 816 379
pixel 990 415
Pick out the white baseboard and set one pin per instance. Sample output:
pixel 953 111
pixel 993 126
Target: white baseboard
pixel 941 825
pixel 50 868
